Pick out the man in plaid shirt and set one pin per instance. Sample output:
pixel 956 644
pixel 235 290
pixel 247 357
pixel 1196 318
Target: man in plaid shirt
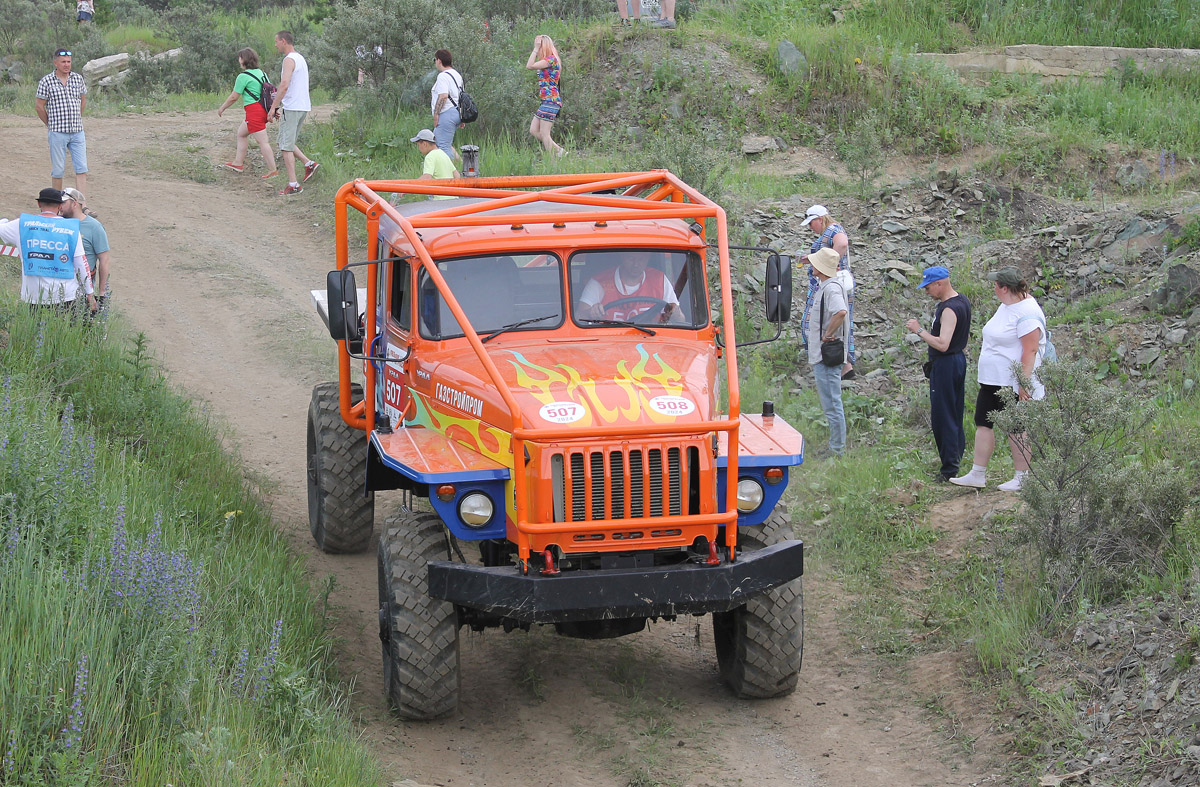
pixel 61 95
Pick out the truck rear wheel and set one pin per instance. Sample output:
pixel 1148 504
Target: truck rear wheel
pixel 760 645
pixel 419 633
pixel 339 515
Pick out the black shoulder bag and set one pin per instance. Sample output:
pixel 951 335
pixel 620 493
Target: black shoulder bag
pixel 833 351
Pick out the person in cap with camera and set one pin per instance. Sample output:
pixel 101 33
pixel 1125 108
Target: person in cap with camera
pixel 53 263
pixel 831 235
pixel 946 367
pixel 826 340
pixel 1014 338
pixel 95 240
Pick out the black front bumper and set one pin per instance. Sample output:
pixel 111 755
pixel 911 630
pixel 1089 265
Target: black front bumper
pixel 663 591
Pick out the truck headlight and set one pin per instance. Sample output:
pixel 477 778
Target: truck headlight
pixel 749 494
pixel 476 509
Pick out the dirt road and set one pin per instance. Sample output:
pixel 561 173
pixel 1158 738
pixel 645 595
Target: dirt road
pixel 218 276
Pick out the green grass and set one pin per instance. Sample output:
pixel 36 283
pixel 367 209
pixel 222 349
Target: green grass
pixel 128 38
pixel 160 629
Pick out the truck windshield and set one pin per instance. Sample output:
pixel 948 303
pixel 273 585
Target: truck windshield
pixel 520 292
pixel 638 286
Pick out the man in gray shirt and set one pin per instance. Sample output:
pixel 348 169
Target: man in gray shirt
pixel 830 309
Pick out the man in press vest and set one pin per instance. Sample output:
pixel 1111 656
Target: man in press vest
pixel 53 263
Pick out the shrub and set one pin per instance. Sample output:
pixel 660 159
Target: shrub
pixel 33 30
pixel 862 150
pixel 1099 513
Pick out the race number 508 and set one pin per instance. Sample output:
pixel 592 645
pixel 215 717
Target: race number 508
pixel 672 405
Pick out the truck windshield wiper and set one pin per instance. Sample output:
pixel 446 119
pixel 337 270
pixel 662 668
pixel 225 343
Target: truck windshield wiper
pixel 623 324
pixel 513 325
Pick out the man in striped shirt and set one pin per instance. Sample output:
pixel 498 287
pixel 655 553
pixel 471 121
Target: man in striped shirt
pixel 61 95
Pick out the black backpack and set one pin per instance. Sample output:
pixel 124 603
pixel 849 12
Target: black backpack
pixel 266 91
pixel 467 111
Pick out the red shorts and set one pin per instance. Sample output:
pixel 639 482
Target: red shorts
pixel 256 117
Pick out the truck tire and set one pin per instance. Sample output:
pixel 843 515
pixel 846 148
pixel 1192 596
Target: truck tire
pixel 340 516
pixel 760 645
pixel 419 633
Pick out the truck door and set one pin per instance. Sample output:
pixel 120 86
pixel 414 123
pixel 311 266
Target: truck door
pixel 397 340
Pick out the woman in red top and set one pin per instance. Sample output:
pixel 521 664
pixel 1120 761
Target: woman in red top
pixel 544 58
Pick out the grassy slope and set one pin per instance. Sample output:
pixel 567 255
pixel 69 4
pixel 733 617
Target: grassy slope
pixel 157 628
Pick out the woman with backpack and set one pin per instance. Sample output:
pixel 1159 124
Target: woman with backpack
pixel 545 60
pixel 249 88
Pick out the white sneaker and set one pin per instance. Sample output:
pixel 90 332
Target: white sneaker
pixel 1012 486
pixel 972 479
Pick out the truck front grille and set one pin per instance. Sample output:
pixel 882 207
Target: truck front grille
pixel 639 483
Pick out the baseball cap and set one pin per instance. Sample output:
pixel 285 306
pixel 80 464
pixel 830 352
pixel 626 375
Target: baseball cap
pixel 932 274
pixel 74 194
pixel 815 212
pixel 1008 276
pixel 424 135
pixel 50 195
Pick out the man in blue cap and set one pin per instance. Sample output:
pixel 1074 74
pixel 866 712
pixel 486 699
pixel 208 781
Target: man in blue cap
pixel 947 366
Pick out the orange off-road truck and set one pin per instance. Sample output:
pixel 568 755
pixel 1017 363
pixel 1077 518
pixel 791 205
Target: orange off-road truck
pixel 544 380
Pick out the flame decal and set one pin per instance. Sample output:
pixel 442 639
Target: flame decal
pixel 493 443
pixel 636 383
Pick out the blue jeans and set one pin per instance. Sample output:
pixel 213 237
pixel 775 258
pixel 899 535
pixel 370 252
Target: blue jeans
pixel 947 378
pixel 829 390
pixel 59 144
pixel 447 124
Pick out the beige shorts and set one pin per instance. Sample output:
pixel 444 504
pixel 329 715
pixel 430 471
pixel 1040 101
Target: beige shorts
pixel 289 127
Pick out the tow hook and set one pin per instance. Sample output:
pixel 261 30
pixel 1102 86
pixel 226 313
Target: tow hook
pixel 550 570
pixel 714 557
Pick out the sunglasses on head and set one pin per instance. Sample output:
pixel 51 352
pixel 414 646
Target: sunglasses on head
pixel 63 53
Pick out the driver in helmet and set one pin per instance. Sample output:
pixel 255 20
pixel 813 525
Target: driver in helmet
pixel 627 290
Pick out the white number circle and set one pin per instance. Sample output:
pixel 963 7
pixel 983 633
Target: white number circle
pixel 561 412
pixel 672 405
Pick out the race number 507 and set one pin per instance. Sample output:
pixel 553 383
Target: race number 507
pixel 672 405
pixel 561 412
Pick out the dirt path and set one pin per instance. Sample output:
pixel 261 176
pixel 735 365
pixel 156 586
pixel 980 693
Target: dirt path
pixel 218 276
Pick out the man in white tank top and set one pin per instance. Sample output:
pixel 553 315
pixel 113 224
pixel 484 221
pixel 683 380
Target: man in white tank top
pixel 291 105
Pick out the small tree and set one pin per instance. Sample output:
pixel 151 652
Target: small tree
pixel 1098 509
pixel 862 149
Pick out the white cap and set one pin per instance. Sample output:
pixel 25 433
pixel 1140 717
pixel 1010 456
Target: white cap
pixel 74 194
pixel 424 135
pixel 815 212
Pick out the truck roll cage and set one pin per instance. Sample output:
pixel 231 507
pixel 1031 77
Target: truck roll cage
pixel 656 194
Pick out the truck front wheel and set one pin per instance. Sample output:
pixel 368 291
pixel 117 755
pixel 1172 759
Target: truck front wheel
pixel 760 645
pixel 340 516
pixel 419 633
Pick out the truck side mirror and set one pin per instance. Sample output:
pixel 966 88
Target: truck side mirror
pixel 343 306
pixel 779 288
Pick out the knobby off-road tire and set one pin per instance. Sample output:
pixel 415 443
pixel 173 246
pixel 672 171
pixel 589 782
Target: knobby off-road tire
pixel 419 633
pixel 760 645
pixel 339 515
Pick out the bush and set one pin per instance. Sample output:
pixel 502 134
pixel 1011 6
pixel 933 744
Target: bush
pixel 1099 513
pixel 32 30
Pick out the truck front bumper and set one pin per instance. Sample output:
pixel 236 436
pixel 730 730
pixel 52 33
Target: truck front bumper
pixel 662 591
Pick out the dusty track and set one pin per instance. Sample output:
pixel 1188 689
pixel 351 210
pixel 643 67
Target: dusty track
pixel 218 276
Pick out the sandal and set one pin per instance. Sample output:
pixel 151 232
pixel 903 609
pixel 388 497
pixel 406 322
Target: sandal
pixel 270 174
pixel 234 167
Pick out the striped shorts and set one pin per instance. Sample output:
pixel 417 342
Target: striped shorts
pixel 548 111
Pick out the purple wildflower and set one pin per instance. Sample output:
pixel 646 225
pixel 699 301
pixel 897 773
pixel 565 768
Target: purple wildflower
pixel 239 675
pixel 73 731
pixel 267 669
pixel 41 339
pixel 1000 584
pixel 10 753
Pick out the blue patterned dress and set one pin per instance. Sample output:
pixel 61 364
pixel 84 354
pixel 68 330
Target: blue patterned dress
pixel 826 241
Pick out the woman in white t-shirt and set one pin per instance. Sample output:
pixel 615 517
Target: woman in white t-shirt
pixel 1016 334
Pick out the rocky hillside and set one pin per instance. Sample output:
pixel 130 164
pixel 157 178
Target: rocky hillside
pixel 1111 287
